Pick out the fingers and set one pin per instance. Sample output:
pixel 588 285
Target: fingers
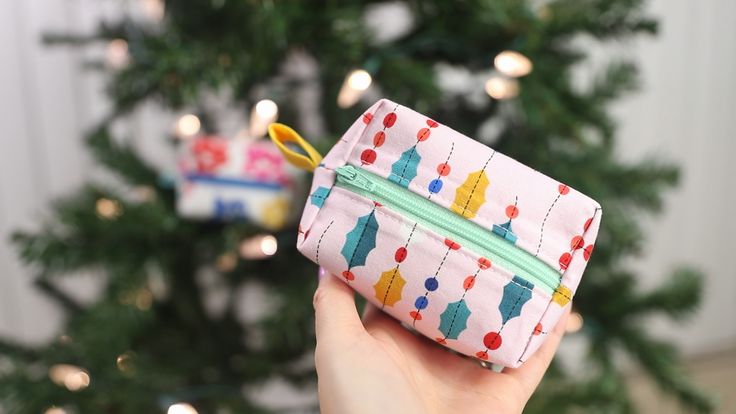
pixel 531 373
pixel 335 314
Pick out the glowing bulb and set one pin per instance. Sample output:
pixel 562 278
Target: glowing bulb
pixel 512 64
pixel 269 245
pixel 499 87
pixel 263 113
pixel 153 9
pixel 117 54
pixel 181 408
pixel 259 247
pixel 187 125
pixel 574 322
pixel 355 84
pixel 226 262
pixel 55 410
pixel 267 108
pixel 108 209
pixel 72 377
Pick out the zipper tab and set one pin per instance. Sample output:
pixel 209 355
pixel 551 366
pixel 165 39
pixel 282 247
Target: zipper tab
pixel 350 175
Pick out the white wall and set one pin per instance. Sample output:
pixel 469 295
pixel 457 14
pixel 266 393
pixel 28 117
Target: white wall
pixel 685 113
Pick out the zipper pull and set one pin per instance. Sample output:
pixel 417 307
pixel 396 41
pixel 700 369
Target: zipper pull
pixel 352 176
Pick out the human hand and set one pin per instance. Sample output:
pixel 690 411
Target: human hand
pixel 375 365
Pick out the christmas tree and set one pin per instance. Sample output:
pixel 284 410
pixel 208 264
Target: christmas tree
pixel 149 342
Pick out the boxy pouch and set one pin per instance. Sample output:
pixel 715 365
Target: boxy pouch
pixel 467 246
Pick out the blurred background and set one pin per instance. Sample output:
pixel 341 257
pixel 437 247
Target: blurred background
pixel 129 297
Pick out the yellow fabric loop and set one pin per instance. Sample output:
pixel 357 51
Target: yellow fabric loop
pixel 281 134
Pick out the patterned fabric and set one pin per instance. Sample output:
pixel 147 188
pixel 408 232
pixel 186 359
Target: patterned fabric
pixel 428 280
pixel 232 179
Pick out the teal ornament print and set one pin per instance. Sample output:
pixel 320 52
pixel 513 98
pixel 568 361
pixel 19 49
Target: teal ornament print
pixel 504 230
pixel 454 319
pixel 319 196
pixel 515 294
pixel 405 168
pixel 360 240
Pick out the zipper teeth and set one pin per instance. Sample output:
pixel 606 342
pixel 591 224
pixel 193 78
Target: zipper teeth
pixel 422 209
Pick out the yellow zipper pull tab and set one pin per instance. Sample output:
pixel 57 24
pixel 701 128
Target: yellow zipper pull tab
pixel 281 134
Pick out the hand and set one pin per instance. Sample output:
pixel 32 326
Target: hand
pixel 377 366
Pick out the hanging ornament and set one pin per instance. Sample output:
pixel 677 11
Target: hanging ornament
pixel 260 246
pixel 512 64
pixel 181 408
pixel 355 84
pixel 501 87
pixel 263 113
pixel 187 126
pixel 234 180
pixel 116 55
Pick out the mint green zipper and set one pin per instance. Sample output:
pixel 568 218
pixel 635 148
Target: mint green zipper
pixel 448 224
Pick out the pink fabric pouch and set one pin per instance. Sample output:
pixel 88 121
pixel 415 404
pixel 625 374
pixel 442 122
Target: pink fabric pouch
pixel 465 245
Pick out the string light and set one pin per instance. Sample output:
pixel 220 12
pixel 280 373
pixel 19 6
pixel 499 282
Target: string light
pixel 512 64
pixel 54 410
pixel 153 9
pixel 226 262
pixel 264 112
pixel 574 322
pixel 117 56
pixel 187 125
pixel 72 377
pixel 181 408
pixel 125 363
pixel 259 247
pixel 108 209
pixel 355 84
pixel 501 87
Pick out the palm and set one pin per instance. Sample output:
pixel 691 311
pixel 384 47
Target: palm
pixel 379 366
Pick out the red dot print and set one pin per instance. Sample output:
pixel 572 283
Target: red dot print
pixel 377 204
pixel 484 263
pixel 379 138
pixel 415 315
pixel 565 260
pixel 368 156
pixel 423 134
pixel 348 275
pixel 538 329
pixel 587 224
pixel 482 355
pixel 432 124
pixel 492 340
pixel 512 212
pixel 469 282
pixel 563 189
pixel 451 244
pixel 367 117
pixel 400 254
pixel 443 169
pixel 389 120
pixel 587 252
pixel 577 242
pixel 441 341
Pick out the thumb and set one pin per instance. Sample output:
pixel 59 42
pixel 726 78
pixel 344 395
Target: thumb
pixel 335 314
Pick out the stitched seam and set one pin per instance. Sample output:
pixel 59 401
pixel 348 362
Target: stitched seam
pixel 316 258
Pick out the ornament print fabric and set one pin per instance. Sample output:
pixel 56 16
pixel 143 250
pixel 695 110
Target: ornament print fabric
pixel 234 179
pixel 469 247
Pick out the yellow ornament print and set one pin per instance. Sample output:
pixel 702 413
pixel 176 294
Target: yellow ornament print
pixel 471 195
pixel 389 286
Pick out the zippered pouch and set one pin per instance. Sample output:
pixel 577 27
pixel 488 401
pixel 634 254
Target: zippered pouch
pixel 230 179
pixel 471 248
